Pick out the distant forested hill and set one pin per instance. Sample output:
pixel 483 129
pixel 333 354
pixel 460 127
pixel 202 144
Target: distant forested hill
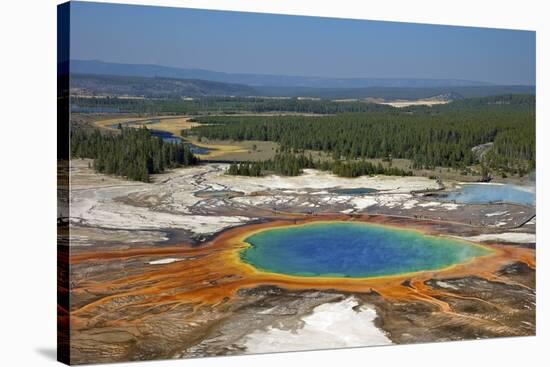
pixel 154 87
pixel 162 87
pixel 265 80
pixel 393 93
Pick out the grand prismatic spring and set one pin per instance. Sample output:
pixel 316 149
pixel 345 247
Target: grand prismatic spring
pixel 355 250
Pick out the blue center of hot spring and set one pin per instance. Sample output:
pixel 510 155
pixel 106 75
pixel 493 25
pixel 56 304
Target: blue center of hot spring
pixel 354 250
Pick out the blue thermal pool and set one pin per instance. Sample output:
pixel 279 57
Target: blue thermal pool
pixel 355 191
pixel 353 250
pixel 492 193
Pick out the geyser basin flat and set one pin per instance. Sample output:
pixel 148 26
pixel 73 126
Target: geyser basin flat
pixel 353 250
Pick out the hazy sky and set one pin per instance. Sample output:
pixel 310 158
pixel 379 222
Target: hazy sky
pixel 292 45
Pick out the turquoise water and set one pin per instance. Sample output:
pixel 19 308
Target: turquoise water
pixel 488 193
pixel 356 191
pixel 355 250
